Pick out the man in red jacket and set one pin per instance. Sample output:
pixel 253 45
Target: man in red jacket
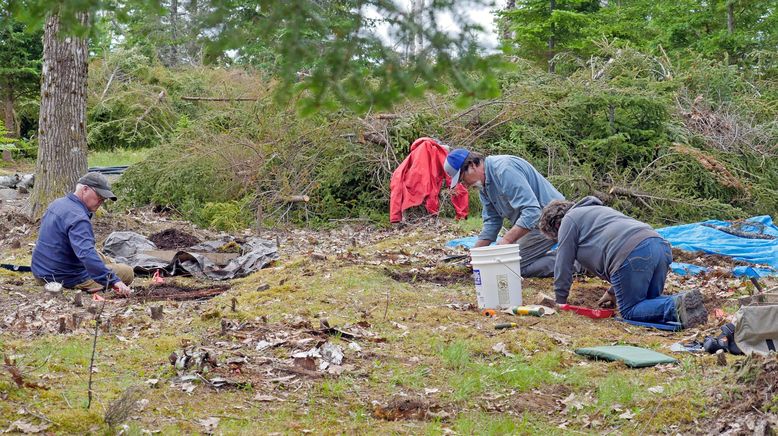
pixel 418 180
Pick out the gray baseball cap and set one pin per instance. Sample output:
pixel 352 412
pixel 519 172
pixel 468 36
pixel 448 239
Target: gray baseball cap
pixel 99 183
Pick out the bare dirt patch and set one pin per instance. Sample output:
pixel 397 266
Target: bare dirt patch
pixel 440 276
pixel 541 401
pixel 407 408
pixel 14 227
pixel 749 404
pixel 172 238
pixel 173 292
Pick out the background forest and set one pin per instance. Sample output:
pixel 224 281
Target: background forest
pixel 666 109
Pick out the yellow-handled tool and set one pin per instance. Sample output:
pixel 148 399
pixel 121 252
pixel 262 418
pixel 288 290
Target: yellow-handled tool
pixel 527 310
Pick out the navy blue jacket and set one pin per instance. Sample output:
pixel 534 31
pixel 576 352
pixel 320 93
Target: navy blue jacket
pixel 65 251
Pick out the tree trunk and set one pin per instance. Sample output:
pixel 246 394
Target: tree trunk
pixel 62 122
pixel 730 16
pixel 418 11
pixel 551 42
pixel 174 33
pixel 9 116
pixel 505 31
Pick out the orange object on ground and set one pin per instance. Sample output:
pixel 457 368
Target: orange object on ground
pixel 418 180
pixel 585 311
pixel 489 312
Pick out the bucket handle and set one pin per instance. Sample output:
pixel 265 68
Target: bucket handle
pixel 510 269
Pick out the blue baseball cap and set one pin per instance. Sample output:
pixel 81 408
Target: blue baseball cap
pixel 453 164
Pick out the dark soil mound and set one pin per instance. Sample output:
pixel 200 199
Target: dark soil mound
pixel 442 276
pixel 174 292
pixel 705 259
pixel 586 296
pixel 172 239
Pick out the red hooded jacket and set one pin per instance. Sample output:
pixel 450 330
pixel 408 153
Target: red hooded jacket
pixel 418 180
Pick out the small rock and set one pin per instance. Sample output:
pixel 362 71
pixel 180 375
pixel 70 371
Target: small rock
pixel 721 358
pixel 545 300
pixel 157 313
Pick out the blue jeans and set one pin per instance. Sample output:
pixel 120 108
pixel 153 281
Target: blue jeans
pixel 639 282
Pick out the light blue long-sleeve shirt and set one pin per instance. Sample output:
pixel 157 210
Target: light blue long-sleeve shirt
pixel 513 190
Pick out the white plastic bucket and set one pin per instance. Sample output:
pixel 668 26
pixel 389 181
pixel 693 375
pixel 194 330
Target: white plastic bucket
pixel 497 276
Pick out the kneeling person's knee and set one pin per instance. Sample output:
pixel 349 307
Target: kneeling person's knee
pixel 123 271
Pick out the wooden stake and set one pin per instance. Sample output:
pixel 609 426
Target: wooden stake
pixel 92 360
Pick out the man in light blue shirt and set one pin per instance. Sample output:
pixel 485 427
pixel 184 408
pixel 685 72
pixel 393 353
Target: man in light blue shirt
pixel 510 189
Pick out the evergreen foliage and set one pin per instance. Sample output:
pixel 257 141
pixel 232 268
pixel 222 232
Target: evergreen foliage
pixel 666 110
pixel 623 129
pixel 20 65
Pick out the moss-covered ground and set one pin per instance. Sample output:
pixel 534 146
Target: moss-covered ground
pixel 437 355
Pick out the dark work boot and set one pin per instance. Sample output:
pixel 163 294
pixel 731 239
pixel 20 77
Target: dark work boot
pixel 690 309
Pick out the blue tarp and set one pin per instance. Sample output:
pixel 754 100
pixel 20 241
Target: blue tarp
pixel 698 237
pixel 467 242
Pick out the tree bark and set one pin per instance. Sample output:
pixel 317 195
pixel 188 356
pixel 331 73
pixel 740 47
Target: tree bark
pixel 730 16
pixel 9 116
pixel 505 31
pixel 551 42
pixel 174 32
pixel 62 145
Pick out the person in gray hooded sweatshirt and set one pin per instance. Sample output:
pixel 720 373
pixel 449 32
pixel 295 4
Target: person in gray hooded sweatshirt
pixel 624 251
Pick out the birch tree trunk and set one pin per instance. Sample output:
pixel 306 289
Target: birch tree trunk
pixel 62 123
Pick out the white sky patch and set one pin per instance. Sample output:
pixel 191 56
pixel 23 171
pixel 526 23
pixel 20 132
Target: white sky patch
pixel 481 13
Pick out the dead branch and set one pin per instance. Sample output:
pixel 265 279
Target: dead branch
pixel 121 408
pixel 108 85
pixel 148 109
pixel 92 360
pixel 297 199
pixel 627 192
pixel 220 98
pixel 739 233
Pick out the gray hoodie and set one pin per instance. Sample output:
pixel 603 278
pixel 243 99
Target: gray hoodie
pixel 599 237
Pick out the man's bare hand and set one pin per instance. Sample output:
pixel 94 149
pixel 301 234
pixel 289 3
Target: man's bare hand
pixel 607 300
pixel 122 289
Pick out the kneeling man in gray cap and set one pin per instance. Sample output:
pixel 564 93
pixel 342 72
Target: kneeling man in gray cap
pixel 65 251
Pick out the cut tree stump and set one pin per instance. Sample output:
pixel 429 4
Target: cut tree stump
pixel 157 313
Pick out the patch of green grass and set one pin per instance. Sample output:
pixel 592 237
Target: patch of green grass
pixel 489 424
pixel 617 388
pixel 469 384
pixel 472 224
pixel 334 389
pixel 415 378
pixel 119 156
pixel 456 355
pixel 521 375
